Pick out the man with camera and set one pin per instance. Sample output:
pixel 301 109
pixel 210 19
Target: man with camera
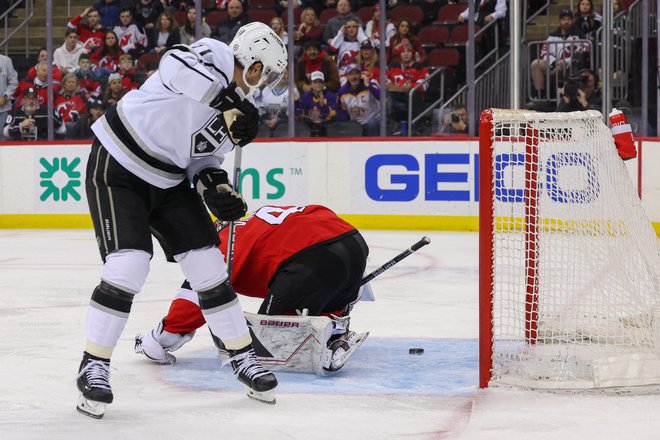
pixel 456 122
pixel 580 93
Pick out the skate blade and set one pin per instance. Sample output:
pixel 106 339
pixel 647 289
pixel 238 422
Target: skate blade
pixel 262 396
pixel 91 408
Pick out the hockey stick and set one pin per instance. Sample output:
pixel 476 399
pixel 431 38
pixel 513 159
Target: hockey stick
pixel 421 243
pixel 238 155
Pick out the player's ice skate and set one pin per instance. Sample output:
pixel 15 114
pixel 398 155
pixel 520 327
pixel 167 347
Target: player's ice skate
pixel 259 382
pixel 94 383
pixel 342 348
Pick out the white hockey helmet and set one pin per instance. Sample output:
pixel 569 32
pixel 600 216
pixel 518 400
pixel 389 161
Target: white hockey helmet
pixel 256 42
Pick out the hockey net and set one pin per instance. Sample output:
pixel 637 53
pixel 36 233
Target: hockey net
pixel 569 262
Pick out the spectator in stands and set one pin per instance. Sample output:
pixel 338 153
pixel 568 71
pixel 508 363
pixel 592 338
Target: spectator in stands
pixel 70 104
pixel 42 57
pixel 146 13
pixel 485 11
pixel 92 32
pixel 277 25
pixel 39 84
pixel 404 35
pixel 581 93
pixel 618 7
pixel 337 22
pixel 106 57
pixel 29 121
pixel 456 122
pixel 587 21
pixel 430 8
pixel 347 45
pixel 188 31
pixel 558 52
pixel 90 87
pixel 273 105
pixel 127 71
pixel 82 128
pixel 109 11
pixel 8 86
pixel 317 107
pixel 164 35
pixel 315 59
pixel 66 56
pixel 115 90
pixel 372 29
pixel 131 37
pixel 309 28
pixel 401 78
pixel 367 59
pixel 358 101
pixel 226 29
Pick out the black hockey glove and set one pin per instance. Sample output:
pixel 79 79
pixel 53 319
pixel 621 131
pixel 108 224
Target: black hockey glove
pixel 241 117
pixel 219 196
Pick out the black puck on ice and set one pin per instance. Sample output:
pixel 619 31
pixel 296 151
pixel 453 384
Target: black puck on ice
pixel 416 351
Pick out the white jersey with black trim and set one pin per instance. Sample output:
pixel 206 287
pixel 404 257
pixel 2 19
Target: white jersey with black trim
pixel 166 130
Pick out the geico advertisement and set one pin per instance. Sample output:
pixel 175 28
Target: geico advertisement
pixel 59 176
pixel 438 178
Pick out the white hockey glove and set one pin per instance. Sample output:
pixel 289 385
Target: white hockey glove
pixel 219 195
pixel 241 117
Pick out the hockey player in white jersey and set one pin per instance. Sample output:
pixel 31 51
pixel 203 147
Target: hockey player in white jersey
pixel 172 131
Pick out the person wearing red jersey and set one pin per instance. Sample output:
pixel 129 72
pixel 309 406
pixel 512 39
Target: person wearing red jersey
pixel 38 83
pixel 91 33
pixel 297 258
pixel 402 75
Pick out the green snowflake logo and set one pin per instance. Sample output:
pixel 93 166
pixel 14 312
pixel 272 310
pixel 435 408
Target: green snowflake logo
pixel 60 179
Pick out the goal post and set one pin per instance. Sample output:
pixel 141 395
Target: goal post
pixel 569 270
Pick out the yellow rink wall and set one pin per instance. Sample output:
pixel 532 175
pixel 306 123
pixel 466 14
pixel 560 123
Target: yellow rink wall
pixel 393 183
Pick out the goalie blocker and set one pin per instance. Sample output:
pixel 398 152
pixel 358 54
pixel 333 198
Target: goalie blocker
pixel 302 260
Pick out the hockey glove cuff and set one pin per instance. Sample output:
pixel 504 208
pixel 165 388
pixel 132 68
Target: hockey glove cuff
pixel 218 194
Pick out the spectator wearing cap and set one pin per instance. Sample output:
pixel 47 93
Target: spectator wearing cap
pixel 237 17
pixel 39 83
pixel 82 128
pixel 560 49
pixel 8 86
pixel 29 121
pixel 347 45
pixel 66 56
pixel 402 76
pixel 358 100
pixel 317 107
pixel 404 34
pixel 312 60
pixel 115 90
pixel 336 23
pixel 367 59
pixel 372 29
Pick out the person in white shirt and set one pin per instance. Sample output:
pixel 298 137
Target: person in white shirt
pixel 8 85
pixel 66 56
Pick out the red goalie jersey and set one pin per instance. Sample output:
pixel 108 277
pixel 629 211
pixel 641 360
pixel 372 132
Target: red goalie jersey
pixel 271 235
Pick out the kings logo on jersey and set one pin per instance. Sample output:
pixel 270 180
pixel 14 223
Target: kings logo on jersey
pixel 208 138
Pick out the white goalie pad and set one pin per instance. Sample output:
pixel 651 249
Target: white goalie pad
pixel 291 343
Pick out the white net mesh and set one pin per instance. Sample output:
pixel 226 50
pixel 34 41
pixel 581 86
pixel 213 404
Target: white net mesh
pixel 576 261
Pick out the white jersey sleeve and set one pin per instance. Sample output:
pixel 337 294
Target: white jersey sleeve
pixel 165 130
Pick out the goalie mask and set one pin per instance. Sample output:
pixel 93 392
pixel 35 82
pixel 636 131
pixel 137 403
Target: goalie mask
pixel 256 42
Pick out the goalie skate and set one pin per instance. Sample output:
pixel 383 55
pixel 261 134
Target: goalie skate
pixel 342 348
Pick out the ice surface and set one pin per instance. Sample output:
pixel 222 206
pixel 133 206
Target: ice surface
pixel 429 300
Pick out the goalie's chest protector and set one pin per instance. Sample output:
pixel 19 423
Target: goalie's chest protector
pixel 272 235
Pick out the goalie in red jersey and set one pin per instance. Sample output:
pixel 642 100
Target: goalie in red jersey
pixel 307 265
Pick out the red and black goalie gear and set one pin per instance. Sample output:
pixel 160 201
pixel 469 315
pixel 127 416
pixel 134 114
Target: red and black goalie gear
pixel 622 134
pixel 183 317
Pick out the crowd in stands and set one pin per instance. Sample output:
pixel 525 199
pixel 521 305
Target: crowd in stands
pixel 113 46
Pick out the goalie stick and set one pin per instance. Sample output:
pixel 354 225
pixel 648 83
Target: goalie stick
pixel 421 243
